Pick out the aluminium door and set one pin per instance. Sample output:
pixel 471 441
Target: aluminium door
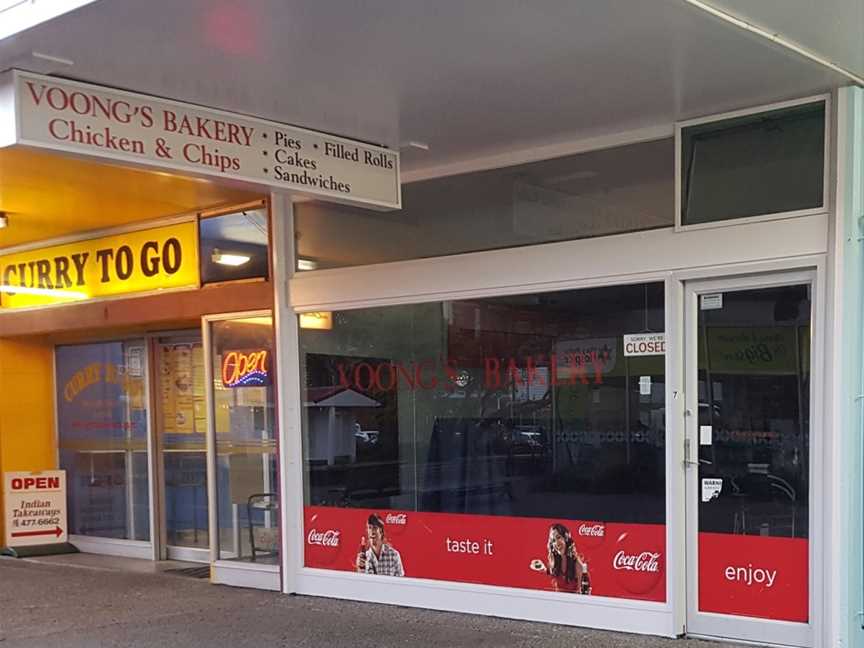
pixel 181 440
pixel 748 425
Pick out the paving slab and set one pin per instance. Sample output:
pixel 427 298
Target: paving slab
pixel 81 601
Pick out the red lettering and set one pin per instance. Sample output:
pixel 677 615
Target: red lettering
pixel 55 132
pixel 598 362
pixel 63 103
pixel 576 361
pixel 146 116
pixel 553 370
pixel 513 372
pixel 344 380
pixel 169 121
pixel 80 103
pixel 409 378
pixel 531 372
pixel 419 373
pixel 357 376
pixel 37 96
pixel 392 374
pixel 492 373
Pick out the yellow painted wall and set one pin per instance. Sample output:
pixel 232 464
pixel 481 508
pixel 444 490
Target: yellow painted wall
pixel 27 439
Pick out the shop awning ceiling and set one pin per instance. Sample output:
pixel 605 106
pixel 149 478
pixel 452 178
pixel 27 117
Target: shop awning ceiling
pixel 48 195
pixel 468 79
pixel 473 81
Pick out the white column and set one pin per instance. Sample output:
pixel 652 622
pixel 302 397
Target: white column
pixel 289 395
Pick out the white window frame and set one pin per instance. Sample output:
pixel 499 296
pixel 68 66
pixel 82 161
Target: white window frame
pixel 680 226
pixel 658 255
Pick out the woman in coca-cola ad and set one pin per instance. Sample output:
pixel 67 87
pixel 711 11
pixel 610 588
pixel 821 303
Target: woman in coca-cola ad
pixel 565 564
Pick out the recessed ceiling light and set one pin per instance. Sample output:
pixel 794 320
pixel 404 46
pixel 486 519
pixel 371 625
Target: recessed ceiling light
pixel 306 264
pixel 229 258
pixel 422 146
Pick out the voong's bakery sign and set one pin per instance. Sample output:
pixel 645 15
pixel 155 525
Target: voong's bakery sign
pixel 51 113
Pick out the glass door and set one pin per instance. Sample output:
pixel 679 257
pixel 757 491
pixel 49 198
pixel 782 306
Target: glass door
pixel 181 440
pixel 102 430
pixel 245 438
pixel 748 426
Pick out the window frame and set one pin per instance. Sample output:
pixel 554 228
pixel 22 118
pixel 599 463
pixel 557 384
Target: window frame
pixel 613 260
pixel 228 211
pixel 680 226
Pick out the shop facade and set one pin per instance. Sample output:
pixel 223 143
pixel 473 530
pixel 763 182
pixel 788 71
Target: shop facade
pixel 611 387
pixel 646 419
pixel 143 384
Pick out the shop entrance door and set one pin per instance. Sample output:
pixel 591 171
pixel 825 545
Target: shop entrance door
pixel 748 414
pixel 181 442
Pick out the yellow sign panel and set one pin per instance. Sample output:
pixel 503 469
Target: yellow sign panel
pixel 164 257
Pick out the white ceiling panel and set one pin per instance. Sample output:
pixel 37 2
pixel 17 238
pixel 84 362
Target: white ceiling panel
pixel 831 29
pixel 468 79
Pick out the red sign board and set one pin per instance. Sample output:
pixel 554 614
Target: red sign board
pixel 621 560
pixel 754 576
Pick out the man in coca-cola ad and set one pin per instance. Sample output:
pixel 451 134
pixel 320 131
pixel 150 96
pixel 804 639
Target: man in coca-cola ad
pixel 376 556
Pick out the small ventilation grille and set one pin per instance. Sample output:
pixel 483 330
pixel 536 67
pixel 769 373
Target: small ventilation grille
pixel 191 572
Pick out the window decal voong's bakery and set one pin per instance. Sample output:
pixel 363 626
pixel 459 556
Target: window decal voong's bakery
pixel 165 257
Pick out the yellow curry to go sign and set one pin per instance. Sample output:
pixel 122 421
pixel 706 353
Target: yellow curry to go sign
pixel 165 257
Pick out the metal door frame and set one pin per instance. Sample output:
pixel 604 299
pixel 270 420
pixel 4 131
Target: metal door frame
pixel 730 626
pixel 162 550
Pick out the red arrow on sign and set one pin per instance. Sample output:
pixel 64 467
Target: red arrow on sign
pixel 56 531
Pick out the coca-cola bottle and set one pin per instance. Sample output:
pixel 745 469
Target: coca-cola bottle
pixel 586 579
pixel 361 554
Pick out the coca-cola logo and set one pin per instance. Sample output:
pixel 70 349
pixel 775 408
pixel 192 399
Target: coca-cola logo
pixel 637 562
pixel 592 530
pixel 396 518
pixel 329 538
pixel 646 561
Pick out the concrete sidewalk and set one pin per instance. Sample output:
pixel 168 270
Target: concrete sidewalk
pixel 72 601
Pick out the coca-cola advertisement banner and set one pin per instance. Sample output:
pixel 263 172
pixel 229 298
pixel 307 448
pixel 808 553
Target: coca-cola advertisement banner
pixel 754 576
pixel 574 556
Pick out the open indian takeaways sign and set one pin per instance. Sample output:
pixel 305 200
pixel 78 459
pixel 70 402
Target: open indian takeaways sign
pixel 35 506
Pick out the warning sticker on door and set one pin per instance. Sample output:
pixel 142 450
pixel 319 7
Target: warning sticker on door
pixel 711 489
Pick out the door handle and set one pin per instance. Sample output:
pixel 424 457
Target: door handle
pixel 692 462
pixel 697 462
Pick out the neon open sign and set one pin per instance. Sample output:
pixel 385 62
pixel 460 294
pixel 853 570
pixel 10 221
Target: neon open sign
pixel 246 368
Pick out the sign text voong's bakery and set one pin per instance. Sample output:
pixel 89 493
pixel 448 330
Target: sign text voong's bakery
pixel 52 113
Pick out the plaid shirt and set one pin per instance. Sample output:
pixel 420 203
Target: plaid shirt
pixel 389 564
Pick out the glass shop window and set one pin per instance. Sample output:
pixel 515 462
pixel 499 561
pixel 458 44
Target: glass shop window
pixel 102 434
pixel 234 246
pixel 515 441
pixel 597 193
pixel 245 422
pixel 767 163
